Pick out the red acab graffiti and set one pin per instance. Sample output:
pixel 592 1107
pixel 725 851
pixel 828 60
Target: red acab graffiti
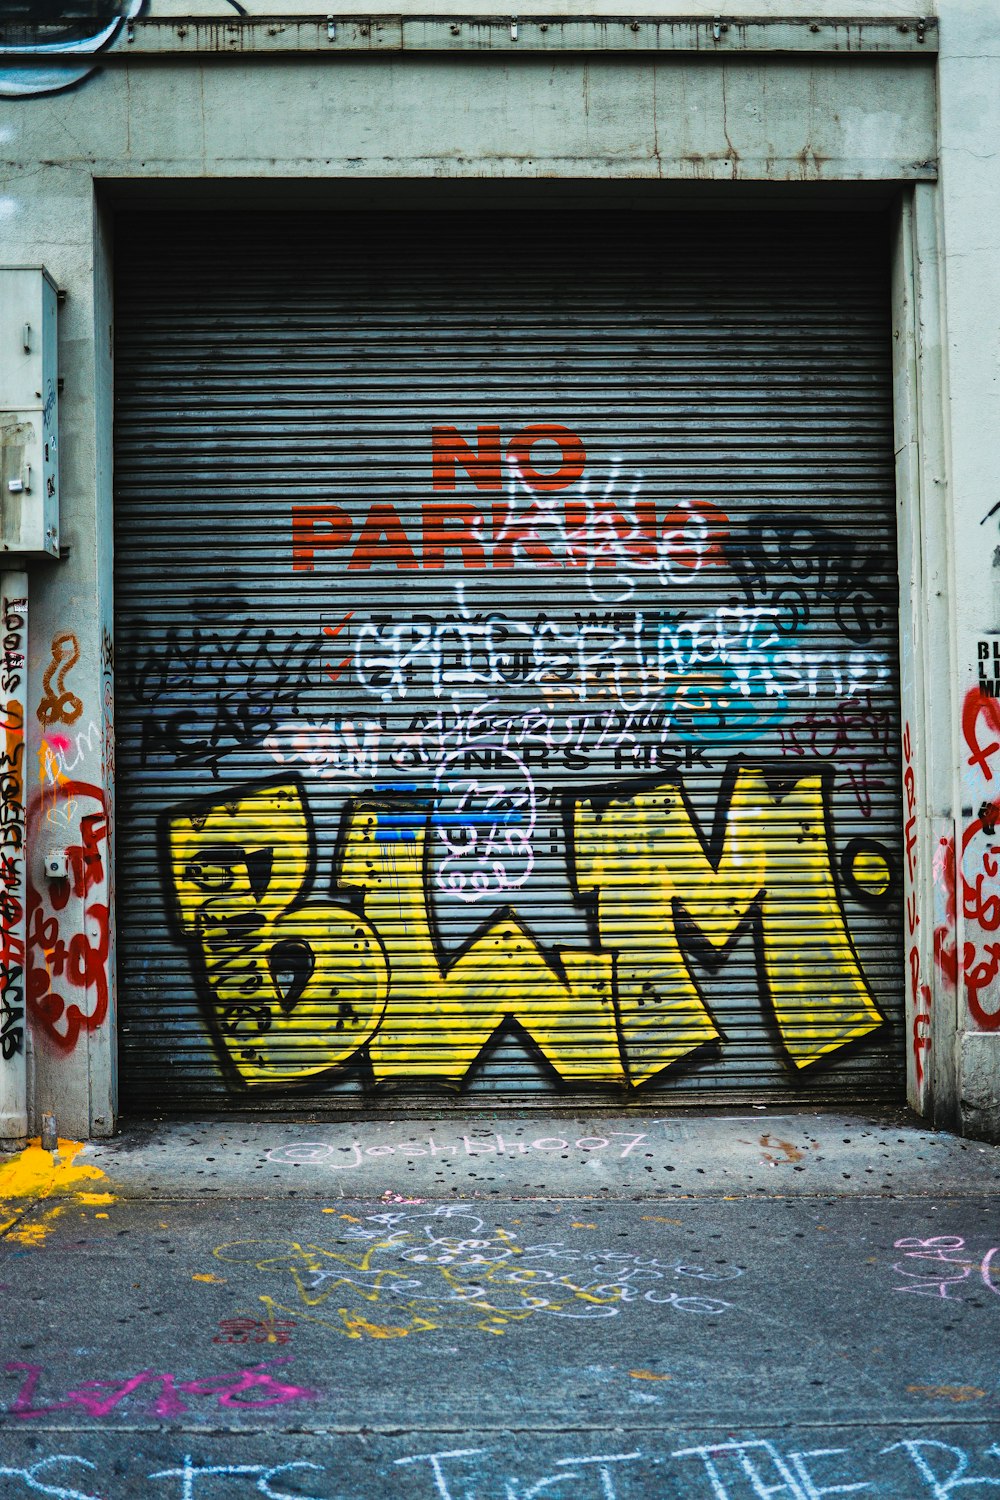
pixel 980 960
pixel 67 952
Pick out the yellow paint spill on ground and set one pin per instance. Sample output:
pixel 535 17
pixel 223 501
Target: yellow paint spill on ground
pixel 648 1375
pixel 34 1173
pixel 658 1219
pixel 35 1233
pixel 207 1276
pixel 947 1392
pixel 35 1176
pixel 577 1225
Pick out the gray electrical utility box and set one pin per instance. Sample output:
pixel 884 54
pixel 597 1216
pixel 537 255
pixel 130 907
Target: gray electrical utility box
pixel 29 413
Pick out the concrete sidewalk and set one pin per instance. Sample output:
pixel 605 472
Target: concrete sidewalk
pixel 582 1308
pixel 756 1152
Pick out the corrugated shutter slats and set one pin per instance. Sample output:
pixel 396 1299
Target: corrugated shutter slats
pixel 580 777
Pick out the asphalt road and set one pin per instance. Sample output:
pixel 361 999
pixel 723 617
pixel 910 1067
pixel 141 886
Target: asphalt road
pixel 268 1309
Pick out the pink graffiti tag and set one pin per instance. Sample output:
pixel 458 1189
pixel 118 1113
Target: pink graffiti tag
pixel 943 1264
pixel 99 1397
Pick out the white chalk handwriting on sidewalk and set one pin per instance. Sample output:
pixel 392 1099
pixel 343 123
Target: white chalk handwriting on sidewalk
pixel 49 1475
pixel 617 1143
pixel 919 1468
pixel 403 1272
pixel 745 1469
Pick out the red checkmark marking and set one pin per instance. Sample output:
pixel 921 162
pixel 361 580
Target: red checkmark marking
pixel 333 630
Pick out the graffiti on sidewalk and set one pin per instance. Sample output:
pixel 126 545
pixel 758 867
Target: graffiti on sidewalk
pixel 255 1388
pixel 244 1329
pixel 619 1144
pixel 400 1272
pixel 945 1267
pixel 919 1465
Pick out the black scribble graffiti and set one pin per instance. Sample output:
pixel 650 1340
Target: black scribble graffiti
pixel 12 867
pixel 793 567
pixel 212 691
pixel 853 736
pixel 989 815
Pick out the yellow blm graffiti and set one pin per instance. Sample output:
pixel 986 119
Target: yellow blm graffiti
pixel 769 867
pixel 280 971
pixel 445 1015
pixel 295 987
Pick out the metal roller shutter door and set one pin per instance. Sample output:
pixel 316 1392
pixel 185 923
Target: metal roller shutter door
pixel 507 699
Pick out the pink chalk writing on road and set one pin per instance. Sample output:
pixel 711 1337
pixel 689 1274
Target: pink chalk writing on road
pixel 250 1389
pixel 941 1264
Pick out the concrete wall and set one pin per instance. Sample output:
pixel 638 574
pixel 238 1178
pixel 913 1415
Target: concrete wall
pixel 677 118
pixel 968 215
